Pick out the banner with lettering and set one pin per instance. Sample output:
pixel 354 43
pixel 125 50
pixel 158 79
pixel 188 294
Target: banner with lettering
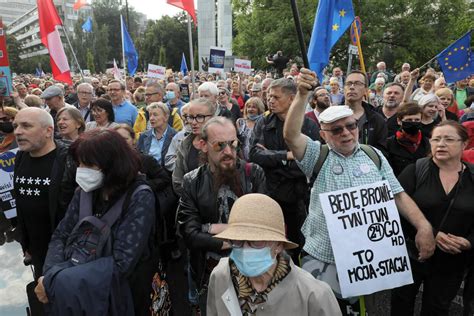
pixel 366 238
pixel 243 65
pixel 216 60
pixel 7 165
pixel 155 71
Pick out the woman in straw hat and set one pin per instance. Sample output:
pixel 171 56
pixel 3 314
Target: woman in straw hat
pixel 259 278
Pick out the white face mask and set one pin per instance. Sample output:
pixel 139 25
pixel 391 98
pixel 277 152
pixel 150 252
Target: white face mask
pixel 89 179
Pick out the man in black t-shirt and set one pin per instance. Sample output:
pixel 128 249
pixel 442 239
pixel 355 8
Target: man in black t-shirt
pixel 43 182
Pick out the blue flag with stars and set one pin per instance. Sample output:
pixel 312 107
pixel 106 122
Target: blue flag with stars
pixel 456 61
pixel 184 66
pixel 87 26
pixel 333 17
pixel 129 49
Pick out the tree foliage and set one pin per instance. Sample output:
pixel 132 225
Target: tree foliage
pixel 396 31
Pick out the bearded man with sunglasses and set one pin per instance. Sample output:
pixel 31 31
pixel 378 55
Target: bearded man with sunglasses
pixel 346 165
pixel 208 195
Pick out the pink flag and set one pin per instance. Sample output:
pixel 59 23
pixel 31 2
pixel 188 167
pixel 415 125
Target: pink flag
pixel 48 21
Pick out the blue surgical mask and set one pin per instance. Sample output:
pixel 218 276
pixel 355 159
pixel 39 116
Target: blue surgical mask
pixel 252 262
pixel 253 117
pixel 170 95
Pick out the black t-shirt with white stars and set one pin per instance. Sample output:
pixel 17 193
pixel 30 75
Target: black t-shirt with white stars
pixel 32 181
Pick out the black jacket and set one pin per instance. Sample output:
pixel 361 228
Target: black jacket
pixel 399 157
pixel 61 189
pixel 198 206
pixel 374 132
pixel 285 181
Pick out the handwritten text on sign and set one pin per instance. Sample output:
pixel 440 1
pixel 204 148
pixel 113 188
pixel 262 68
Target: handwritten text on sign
pixel 7 165
pixel 366 238
pixel 243 65
pixel 155 71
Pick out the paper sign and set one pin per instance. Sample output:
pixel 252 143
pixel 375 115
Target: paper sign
pixel 367 239
pixel 216 60
pixel 7 165
pixel 155 71
pixel 243 65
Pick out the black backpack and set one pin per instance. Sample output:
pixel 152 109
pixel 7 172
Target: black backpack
pixel 91 237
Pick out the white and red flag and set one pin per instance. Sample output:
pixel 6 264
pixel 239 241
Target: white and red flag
pixel 116 72
pixel 49 21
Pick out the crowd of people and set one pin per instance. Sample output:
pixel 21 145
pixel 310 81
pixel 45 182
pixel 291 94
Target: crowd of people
pixel 112 177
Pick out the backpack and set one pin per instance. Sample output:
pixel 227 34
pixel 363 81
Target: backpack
pixel 91 238
pixel 367 149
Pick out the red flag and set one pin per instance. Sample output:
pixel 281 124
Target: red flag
pixel 186 5
pixel 3 47
pixel 79 4
pixel 48 21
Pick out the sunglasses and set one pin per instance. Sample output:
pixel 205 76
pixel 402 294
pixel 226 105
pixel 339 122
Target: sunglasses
pixel 220 146
pixel 339 129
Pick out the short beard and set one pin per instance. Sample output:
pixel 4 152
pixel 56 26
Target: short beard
pixel 391 104
pixel 229 177
pixel 322 105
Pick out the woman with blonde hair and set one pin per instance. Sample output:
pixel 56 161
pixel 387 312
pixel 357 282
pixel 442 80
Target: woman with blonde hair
pixel 446 100
pixel 253 110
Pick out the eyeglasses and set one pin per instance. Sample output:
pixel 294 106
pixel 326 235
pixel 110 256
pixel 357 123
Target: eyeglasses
pixel 252 244
pixel 220 146
pixel 84 92
pixel 147 95
pixel 447 141
pixel 354 83
pixel 322 95
pixel 222 93
pixel 97 110
pixel 339 129
pixel 199 118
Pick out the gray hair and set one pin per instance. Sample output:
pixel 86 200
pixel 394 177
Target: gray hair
pixel 219 120
pixel 211 106
pixel 85 85
pixel 209 86
pixel 157 86
pixel 159 106
pixel 286 85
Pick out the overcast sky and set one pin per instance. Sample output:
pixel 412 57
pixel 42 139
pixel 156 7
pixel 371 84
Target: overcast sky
pixel 154 9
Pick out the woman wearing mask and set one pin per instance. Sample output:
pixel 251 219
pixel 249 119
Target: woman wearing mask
pixel 259 277
pixel 442 187
pixel 70 123
pixel 430 113
pixel 7 138
pixel 408 144
pixel 103 114
pixel 77 277
pixel 253 109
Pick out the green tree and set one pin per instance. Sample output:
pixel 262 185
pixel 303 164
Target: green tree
pixel 90 61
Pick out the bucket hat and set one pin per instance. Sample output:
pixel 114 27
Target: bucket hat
pixel 256 217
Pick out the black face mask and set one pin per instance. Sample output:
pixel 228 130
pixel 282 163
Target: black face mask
pixel 411 128
pixel 6 127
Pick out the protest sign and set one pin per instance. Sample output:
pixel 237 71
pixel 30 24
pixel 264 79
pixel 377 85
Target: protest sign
pixel 243 65
pixel 216 60
pixel 366 238
pixel 5 74
pixel 155 71
pixel 7 165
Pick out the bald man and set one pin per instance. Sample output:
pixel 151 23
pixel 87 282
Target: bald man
pixel 44 182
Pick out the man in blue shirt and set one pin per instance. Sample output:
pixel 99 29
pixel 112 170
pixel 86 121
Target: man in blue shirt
pixel 124 111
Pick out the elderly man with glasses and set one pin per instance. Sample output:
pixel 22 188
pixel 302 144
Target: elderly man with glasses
pixel 347 164
pixel 85 94
pixel 207 198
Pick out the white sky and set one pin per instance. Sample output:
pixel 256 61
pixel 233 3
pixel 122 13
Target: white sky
pixel 154 9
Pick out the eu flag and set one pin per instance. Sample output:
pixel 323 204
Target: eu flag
pixel 184 66
pixel 87 26
pixel 333 17
pixel 456 61
pixel 129 49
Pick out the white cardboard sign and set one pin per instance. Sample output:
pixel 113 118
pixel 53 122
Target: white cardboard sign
pixel 155 71
pixel 243 65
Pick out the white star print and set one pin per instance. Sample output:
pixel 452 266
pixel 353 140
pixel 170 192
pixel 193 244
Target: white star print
pixel 22 191
pixel 22 180
pixel 46 181
pixel 29 191
pixel 37 181
pixel 17 180
pixel 30 180
pixel 37 192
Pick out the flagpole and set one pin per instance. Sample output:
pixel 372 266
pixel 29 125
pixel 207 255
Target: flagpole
pixel 299 32
pixel 123 52
pixel 72 50
pixel 359 47
pixel 428 62
pixel 191 54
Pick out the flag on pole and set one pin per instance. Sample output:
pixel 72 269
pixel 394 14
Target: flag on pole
pixel 87 26
pixel 129 49
pixel 184 66
pixel 456 61
pixel 116 72
pixel 333 17
pixel 49 21
pixel 186 5
pixel 79 4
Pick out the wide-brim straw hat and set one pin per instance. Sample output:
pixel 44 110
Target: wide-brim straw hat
pixel 256 217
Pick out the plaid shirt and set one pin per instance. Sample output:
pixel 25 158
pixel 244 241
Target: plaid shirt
pixel 338 172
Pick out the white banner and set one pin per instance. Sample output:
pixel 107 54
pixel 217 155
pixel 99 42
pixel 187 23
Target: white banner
pixel 155 71
pixel 7 165
pixel 243 65
pixel 366 238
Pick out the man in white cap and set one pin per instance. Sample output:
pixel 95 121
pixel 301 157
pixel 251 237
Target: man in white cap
pixel 346 165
